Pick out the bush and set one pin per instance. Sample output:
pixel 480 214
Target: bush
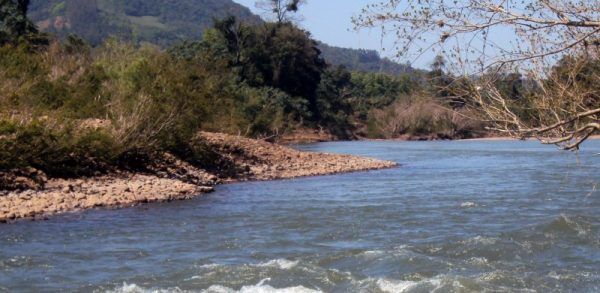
pixel 423 119
pixel 58 151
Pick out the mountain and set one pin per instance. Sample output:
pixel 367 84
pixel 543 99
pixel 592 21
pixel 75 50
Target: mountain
pixel 362 60
pixel 162 22
pixel 166 22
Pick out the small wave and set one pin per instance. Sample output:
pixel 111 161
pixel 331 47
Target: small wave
pixel 481 240
pixel 399 286
pixel 572 225
pixel 209 266
pixel 261 287
pixel 445 283
pixel 468 204
pixel 281 263
pixel 372 254
pixel 134 288
pixel 480 261
pixel 561 277
pixel 394 285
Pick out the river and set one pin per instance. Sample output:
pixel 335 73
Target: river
pixel 462 216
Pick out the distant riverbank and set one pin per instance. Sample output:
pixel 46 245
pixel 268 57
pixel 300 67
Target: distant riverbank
pixel 485 138
pixel 173 179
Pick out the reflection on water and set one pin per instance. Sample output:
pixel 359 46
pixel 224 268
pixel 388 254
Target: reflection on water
pixel 455 217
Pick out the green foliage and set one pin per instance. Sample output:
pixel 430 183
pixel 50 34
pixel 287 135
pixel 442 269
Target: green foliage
pixel 151 101
pixel 375 90
pixel 14 23
pixel 155 21
pixel 334 103
pixel 166 23
pixel 279 56
pixel 61 152
pixel 69 109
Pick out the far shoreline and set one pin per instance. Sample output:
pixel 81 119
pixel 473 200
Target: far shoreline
pixel 490 138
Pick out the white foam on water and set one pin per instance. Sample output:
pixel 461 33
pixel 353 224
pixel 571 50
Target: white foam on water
pixel 261 287
pixel 373 252
pixel 581 230
pixel 468 204
pixel 482 240
pixel 399 286
pixel 554 275
pixel 134 288
pixel 209 266
pixel 281 263
pixel 480 261
pixel 395 285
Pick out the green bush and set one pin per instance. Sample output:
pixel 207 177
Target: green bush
pixel 60 152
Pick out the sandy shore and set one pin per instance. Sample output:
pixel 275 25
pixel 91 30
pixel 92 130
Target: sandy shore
pixel 266 161
pixel 176 180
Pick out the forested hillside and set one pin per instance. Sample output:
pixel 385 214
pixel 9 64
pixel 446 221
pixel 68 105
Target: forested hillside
pixel 362 60
pixel 161 22
pixel 168 22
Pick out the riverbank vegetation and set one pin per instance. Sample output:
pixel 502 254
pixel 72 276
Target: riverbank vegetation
pixel 554 45
pixel 71 109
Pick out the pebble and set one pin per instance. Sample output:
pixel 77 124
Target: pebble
pixel 257 160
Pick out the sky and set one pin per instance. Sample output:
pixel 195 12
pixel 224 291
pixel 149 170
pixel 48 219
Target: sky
pixel 330 21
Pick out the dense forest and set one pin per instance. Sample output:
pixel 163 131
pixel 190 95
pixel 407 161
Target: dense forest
pixel 155 21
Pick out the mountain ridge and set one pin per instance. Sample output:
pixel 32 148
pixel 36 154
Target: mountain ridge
pixel 167 22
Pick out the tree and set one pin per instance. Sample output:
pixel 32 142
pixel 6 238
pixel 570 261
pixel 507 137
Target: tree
pixel 438 65
pixel 281 9
pixel 561 107
pixel 332 99
pixel 276 55
pixel 13 20
pixel 542 33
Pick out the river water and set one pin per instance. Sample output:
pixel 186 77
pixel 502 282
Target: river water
pixel 464 216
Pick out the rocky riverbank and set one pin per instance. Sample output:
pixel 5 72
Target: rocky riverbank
pixel 168 179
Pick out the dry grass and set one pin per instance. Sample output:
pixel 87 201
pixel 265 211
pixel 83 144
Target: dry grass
pixel 424 118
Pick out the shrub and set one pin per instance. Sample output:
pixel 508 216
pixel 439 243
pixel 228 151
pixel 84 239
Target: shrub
pixel 421 118
pixel 58 151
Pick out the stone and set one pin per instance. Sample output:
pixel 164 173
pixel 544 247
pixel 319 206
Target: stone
pixel 252 159
pixel 67 189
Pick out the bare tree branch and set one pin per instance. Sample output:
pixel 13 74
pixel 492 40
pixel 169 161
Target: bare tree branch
pixel 555 44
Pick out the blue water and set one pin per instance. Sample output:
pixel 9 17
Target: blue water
pixel 464 216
